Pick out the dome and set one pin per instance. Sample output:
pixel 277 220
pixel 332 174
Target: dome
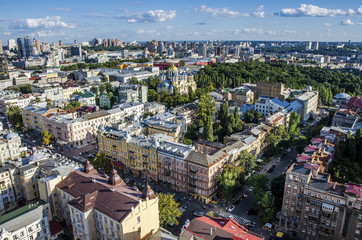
pixel 342 96
pixel 114 179
pixel 88 168
pixel 173 68
pixel 164 84
pixel 148 193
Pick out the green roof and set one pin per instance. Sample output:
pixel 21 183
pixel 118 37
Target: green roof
pixel 20 211
pixel 86 95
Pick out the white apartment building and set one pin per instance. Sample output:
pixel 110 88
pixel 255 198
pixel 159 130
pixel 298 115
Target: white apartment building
pixel 309 99
pixel 10 146
pixel 267 105
pixel 27 223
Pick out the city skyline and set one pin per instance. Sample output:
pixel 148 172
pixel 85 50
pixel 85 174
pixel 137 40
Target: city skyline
pixel 142 21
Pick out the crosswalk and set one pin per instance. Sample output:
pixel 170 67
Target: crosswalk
pixel 242 221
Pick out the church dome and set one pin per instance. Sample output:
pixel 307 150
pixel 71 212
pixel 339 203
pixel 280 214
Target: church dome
pixel 173 68
pixel 148 193
pixel 88 168
pixel 164 84
pixel 114 178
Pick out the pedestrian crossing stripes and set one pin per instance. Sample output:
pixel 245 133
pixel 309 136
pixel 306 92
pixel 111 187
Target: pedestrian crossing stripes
pixel 236 218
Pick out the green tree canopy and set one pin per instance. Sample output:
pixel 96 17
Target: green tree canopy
pixel 168 209
pixel 207 107
pixel 46 137
pixel 247 161
pixel 230 180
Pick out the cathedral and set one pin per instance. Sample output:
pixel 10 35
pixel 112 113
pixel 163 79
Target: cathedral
pixel 179 80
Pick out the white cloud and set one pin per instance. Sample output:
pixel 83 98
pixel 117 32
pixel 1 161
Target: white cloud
pixel 40 23
pixel 313 11
pixel 7 33
pixel 253 30
pixel 49 33
pixel 359 10
pixel 259 12
pixel 271 32
pixel 150 16
pixel 221 12
pixel 360 23
pixel 289 32
pixel 142 31
pixel 347 22
pixel 60 9
pixel 327 24
pixel 99 15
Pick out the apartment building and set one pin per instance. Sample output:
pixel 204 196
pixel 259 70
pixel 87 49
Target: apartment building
pixel 269 89
pixel 101 208
pixel 28 223
pixel 28 177
pixel 10 146
pixel 154 125
pixel 154 108
pixel 135 153
pixel 266 105
pixel 133 93
pixel 309 100
pixel 10 189
pixel 19 101
pixel 345 119
pixel 314 207
pixel 67 127
pixel 69 89
pixel 172 165
pixel 242 95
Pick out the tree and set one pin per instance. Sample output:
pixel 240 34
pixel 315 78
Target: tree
pixel 207 107
pixel 186 141
pixel 266 209
pixel 247 161
pixel 102 88
pixel 100 161
pixel 94 90
pixel 251 116
pixel 230 122
pixel 191 93
pixel 168 209
pixel 109 87
pixel 230 180
pixel 133 80
pixel 210 214
pixel 46 137
pixel 277 189
pixel 260 183
pixel 105 78
pixel 15 117
pixel 224 112
pixel 208 133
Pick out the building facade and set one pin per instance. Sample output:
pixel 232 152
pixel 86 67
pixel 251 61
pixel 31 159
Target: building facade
pixel 269 89
pixel 100 208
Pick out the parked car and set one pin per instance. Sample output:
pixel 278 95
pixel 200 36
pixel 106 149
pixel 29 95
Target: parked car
pixel 231 208
pixel 244 196
pixel 250 189
pixel 271 169
pixel 279 160
pixel 252 211
pixel 289 149
pixel 199 214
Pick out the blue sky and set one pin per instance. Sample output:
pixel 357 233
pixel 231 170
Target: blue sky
pixel 324 20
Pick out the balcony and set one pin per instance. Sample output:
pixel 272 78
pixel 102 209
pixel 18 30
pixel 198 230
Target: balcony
pixel 192 184
pixel 167 173
pixel 192 171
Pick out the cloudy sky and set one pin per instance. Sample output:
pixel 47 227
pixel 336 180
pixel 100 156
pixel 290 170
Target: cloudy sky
pixel 140 20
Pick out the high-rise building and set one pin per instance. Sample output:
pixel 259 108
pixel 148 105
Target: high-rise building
pixel 202 49
pixel 37 46
pixel 76 50
pixel 75 42
pixel 25 46
pixel 60 43
pixel 161 48
pixel 220 51
pixel 1 47
pixel 11 44
pixel 4 72
pixel 315 45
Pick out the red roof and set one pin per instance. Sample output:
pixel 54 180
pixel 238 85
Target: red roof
pixel 355 102
pixel 55 227
pixel 355 189
pixel 216 228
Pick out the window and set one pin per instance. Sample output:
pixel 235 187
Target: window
pixel 138 219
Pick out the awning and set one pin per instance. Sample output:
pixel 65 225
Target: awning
pixel 280 234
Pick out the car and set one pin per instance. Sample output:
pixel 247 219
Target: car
pixel 250 189
pixel 252 211
pixel 289 149
pixel 34 141
pixel 231 208
pixel 278 160
pixel 244 196
pixel 237 202
pixel 199 214
pixel 271 169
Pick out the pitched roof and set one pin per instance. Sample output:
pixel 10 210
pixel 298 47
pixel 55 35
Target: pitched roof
pixel 93 191
pixel 218 228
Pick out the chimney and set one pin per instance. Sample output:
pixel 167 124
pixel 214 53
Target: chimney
pixel 211 231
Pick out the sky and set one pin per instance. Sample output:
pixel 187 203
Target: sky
pixel 165 20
